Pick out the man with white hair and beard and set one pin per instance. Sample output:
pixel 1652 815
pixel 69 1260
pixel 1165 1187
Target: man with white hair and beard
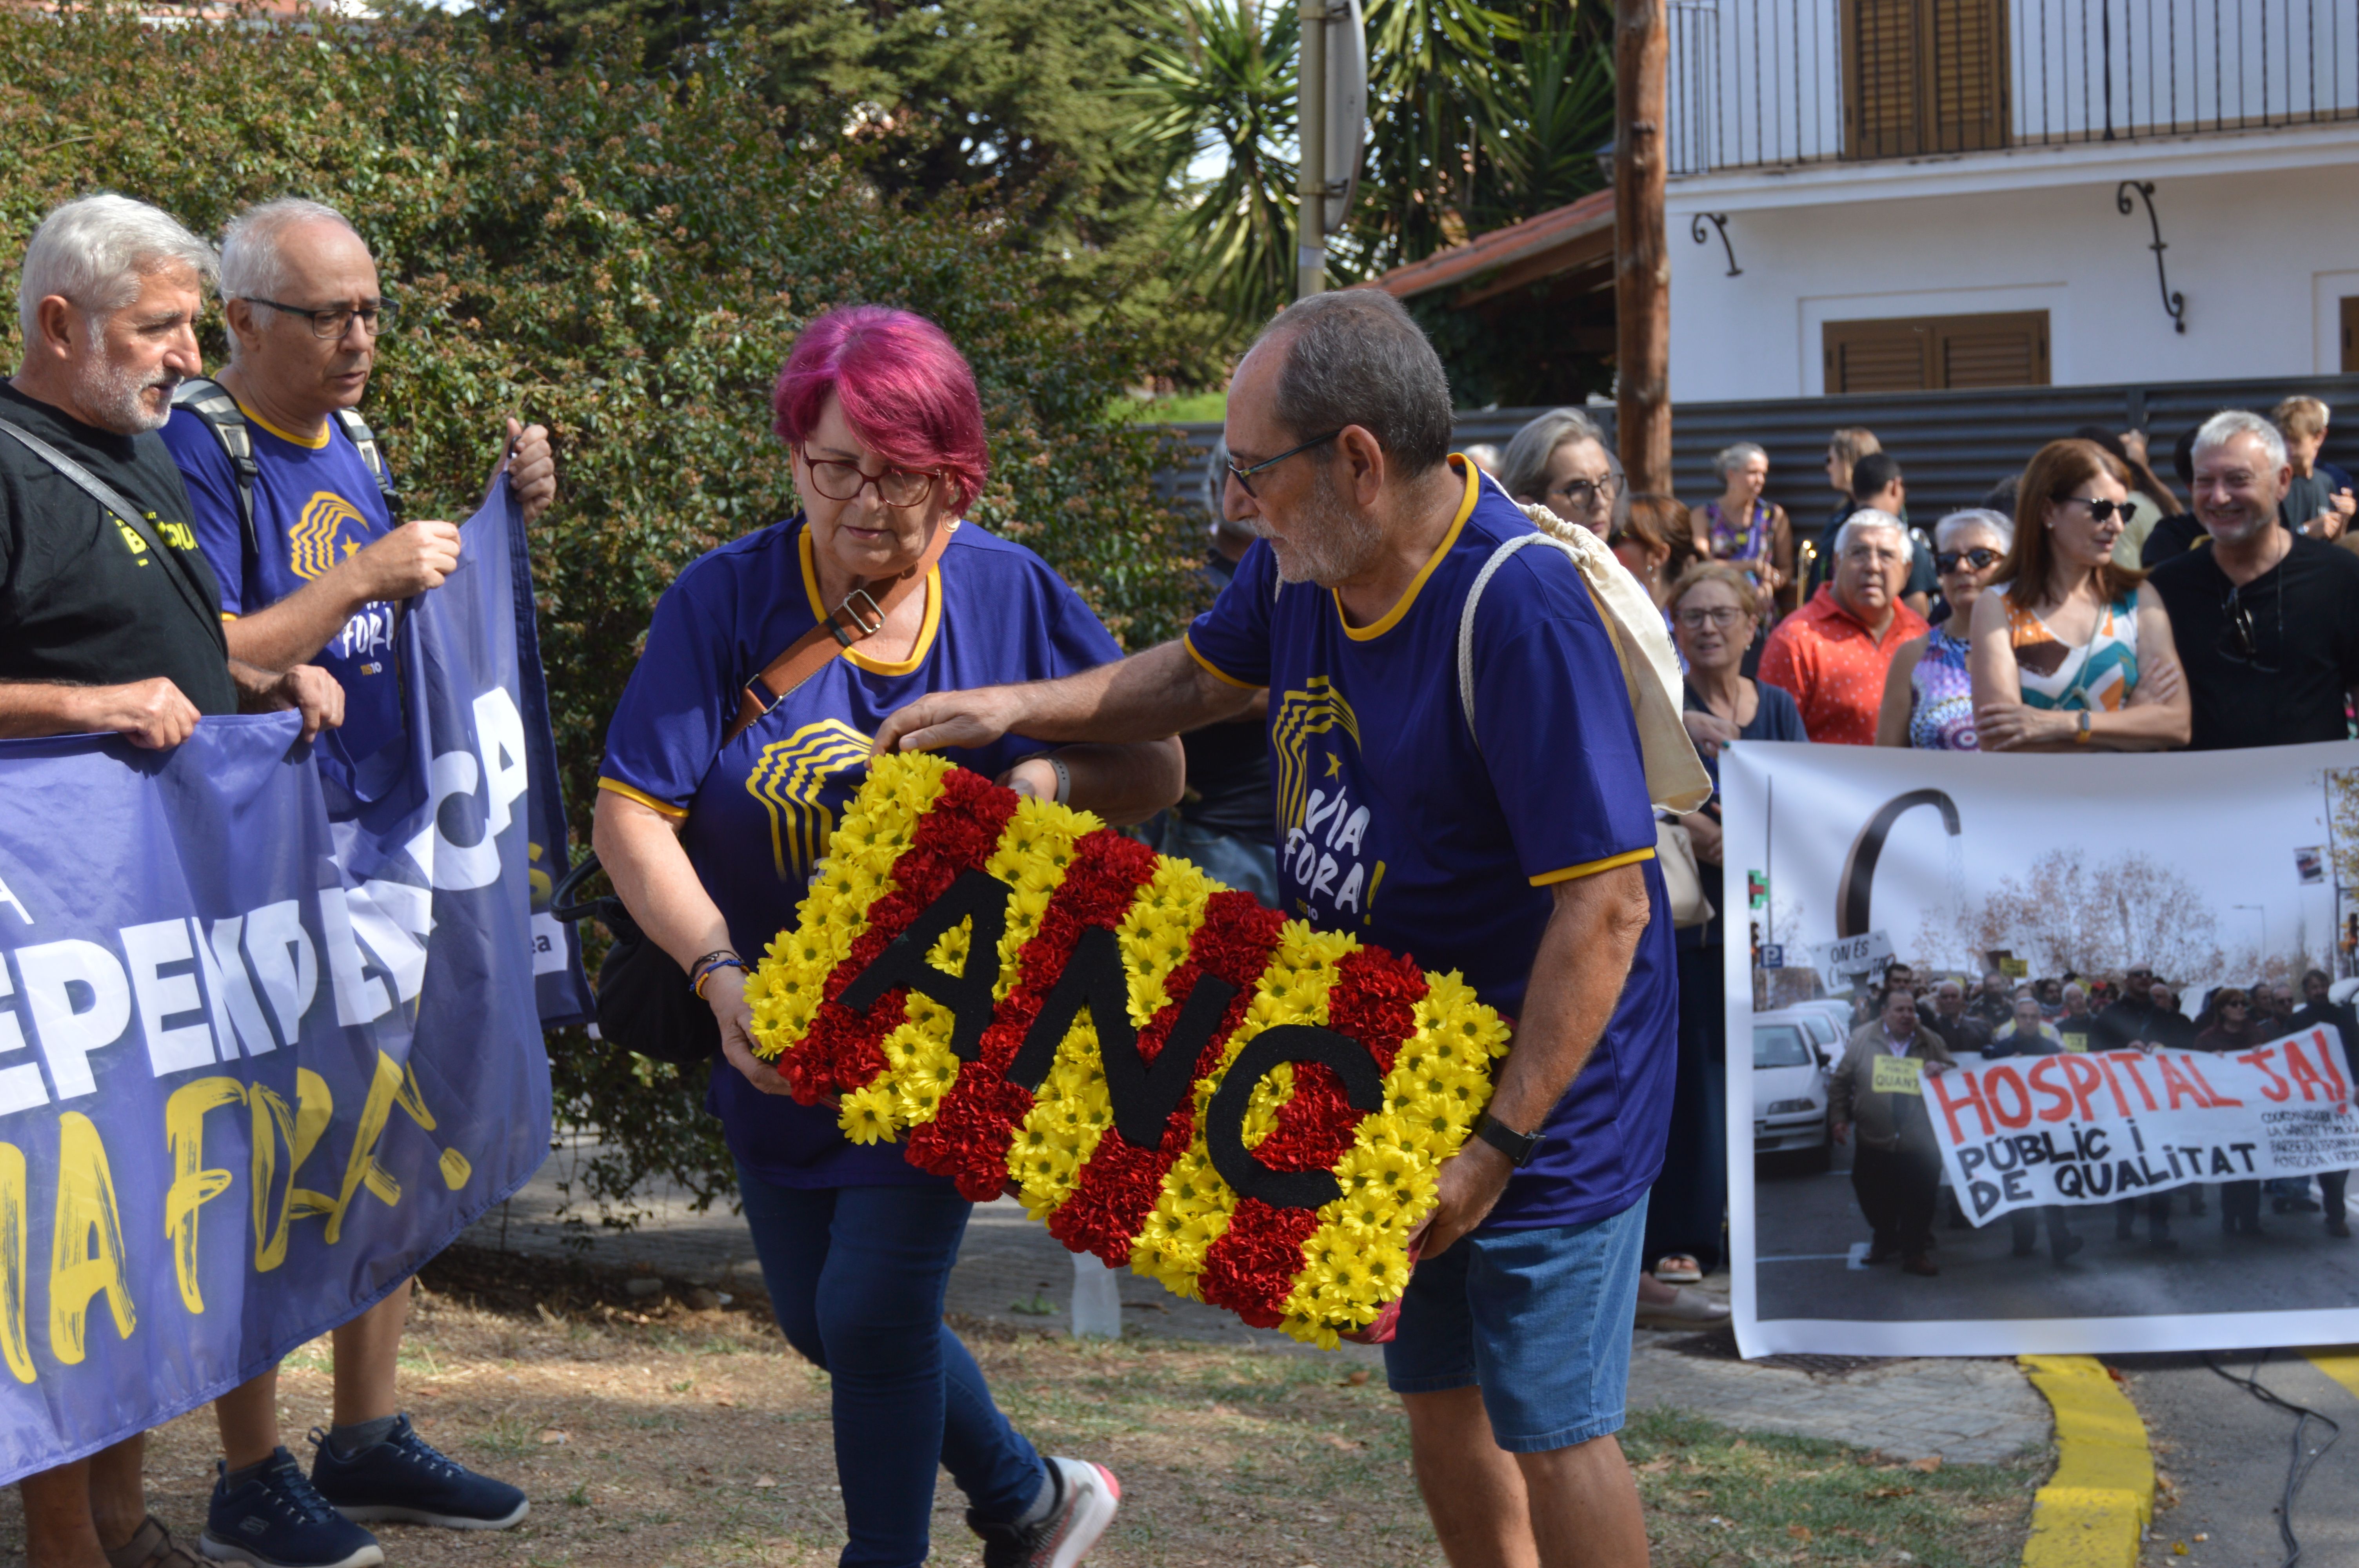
pixel 2267 621
pixel 1513 843
pixel 107 622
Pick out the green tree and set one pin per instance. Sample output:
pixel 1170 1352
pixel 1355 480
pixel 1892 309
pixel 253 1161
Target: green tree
pixel 626 257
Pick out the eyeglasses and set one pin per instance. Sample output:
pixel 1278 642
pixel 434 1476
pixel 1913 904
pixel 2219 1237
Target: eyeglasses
pixel 1946 561
pixel 2237 644
pixel 1586 493
pixel 1245 476
pixel 2098 508
pixel 334 321
pixel 844 481
pixel 1720 615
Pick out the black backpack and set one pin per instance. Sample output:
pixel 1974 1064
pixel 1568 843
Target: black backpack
pixel 211 402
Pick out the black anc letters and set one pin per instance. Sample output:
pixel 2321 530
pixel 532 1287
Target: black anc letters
pixel 1144 1094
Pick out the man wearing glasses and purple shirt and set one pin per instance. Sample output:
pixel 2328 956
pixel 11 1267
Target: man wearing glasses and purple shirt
pixel 2266 621
pixel 1514 844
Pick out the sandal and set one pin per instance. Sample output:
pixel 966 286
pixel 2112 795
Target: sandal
pixel 152 1546
pixel 1679 1269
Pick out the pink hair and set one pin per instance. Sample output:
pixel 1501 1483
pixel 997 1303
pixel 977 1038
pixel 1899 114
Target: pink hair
pixel 906 390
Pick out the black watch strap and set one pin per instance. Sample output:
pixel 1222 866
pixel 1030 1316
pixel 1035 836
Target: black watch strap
pixel 1518 1147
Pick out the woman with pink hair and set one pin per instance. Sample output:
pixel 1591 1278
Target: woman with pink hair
pixel 742 733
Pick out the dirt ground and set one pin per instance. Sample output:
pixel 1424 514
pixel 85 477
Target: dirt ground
pixel 652 1430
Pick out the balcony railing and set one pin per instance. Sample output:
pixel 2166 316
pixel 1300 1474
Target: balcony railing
pixel 1768 83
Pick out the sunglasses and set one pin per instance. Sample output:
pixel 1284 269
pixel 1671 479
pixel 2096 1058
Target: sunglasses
pixel 1979 559
pixel 2237 642
pixel 2099 510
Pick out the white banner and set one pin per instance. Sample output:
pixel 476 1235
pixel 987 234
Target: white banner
pixel 2096 1199
pixel 2069 1128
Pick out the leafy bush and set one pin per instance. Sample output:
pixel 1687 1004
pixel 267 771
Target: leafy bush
pixel 625 258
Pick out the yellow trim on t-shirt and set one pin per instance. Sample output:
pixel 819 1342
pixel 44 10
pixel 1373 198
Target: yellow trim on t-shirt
pixel 1400 606
pixel 227 616
pixel 1212 669
pixel 926 630
pixel 315 443
pixel 1591 868
pixel 675 813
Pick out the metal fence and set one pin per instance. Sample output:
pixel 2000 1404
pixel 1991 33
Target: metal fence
pixel 1953 445
pixel 1767 82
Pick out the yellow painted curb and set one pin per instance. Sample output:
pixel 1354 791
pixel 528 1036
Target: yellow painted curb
pixel 2090 1513
pixel 2340 1362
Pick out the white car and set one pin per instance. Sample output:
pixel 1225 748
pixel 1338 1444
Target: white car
pixel 1789 1084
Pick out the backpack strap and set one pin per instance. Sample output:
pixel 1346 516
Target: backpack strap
pixel 363 440
pixel 211 402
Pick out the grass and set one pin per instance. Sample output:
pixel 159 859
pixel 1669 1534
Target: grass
pixel 1190 408
pixel 651 1434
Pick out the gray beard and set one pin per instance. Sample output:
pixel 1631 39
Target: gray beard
pixel 1332 544
pixel 113 393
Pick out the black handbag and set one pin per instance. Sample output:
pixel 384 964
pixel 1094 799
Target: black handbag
pixel 645 1002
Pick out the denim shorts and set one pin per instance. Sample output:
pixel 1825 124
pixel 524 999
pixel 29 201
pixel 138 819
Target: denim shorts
pixel 1538 1320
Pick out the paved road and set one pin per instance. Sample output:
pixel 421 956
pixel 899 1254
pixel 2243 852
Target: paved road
pixel 1812 1233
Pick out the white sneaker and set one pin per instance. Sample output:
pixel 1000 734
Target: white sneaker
pixel 1087 1496
pixel 1686 1309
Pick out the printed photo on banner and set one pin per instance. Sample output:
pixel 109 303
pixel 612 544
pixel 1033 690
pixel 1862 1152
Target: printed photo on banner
pixel 2049 1054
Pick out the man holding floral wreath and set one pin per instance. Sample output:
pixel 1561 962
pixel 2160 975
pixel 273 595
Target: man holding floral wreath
pixel 1514 843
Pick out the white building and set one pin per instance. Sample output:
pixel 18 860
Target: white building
pixel 1919 194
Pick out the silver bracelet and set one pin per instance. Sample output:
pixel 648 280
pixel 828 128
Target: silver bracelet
pixel 1064 773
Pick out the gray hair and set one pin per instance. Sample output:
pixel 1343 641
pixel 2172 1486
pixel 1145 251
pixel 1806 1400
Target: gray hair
pixel 1356 357
pixel 1523 469
pixel 1945 986
pixel 252 267
pixel 94 251
pixel 2230 423
pixel 1730 458
pixel 1868 520
pixel 1959 524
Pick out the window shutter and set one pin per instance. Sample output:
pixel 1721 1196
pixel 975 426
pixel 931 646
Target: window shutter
pixel 1934 354
pixel 1968 69
pixel 1877 356
pixel 1886 43
pixel 1923 76
pixel 1994 351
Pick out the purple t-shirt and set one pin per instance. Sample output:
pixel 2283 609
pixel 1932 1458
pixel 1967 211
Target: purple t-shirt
pixel 1395 825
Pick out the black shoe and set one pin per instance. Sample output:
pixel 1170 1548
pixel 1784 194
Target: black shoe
pixel 2064 1249
pixel 2338 1227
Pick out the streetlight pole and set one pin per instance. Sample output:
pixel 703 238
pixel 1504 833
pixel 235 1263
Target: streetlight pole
pixel 1310 131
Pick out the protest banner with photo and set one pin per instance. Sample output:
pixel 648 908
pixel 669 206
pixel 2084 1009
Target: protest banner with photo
pixel 270 1031
pixel 2080 1179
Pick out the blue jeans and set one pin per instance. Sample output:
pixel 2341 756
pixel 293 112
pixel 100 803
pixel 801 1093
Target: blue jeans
pixel 856 1276
pixel 1248 865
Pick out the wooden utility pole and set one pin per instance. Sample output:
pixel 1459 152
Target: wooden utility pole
pixel 1642 263
pixel 1310 132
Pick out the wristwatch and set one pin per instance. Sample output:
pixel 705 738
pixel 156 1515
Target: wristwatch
pixel 1518 1147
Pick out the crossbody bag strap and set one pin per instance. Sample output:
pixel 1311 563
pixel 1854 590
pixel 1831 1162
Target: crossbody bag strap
pixel 860 617
pixel 111 501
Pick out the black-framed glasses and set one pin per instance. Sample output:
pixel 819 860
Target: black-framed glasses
pixel 1720 615
pixel 840 480
pixel 334 321
pixel 2238 645
pixel 1584 493
pixel 1979 559
pixel 1245 476
pixel 2099 508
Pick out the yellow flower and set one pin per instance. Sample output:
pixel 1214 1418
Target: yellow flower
pixel 868 1114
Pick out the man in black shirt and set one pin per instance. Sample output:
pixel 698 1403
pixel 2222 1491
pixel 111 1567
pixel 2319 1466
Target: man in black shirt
pixel 2266 621
pixel 2130 1020
pixel 110 623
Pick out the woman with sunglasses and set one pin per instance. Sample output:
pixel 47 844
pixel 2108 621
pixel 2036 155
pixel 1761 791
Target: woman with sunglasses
pixel 1929 701
pixel 2076 652
pixel 719 788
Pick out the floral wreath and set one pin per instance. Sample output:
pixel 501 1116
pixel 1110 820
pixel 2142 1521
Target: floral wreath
pixel 1280 1178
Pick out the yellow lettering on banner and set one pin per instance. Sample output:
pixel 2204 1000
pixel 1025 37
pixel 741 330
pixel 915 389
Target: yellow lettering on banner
pixel 86 1213
pixel 193 1186
pixel 394 1086
pixel 300 1130
pixel 15 1345
pixel 1897 1075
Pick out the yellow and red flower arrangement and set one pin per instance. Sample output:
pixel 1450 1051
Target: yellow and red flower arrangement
pixel 953 1079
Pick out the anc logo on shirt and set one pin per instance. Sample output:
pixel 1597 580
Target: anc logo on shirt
pixel 789 778
pixel 1300 716
pixel 1325 828
pixel 313 539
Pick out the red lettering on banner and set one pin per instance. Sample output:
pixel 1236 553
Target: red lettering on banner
pixel 2085 1077
pixel 1972 1097
pixel 2129 1062
pixel 2275 1089
pixel 2043 1078
pixel 2211 1095
pixel 2305 1077
pixel 2176 1086
pixel 2326 1050
pixel 2121 1101
pixel 1998 1077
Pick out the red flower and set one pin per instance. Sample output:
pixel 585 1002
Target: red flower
pixel 1250 1269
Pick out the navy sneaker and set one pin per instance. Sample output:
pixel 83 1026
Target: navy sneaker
pixel 403 1480
pixel 1087 1496
pixel 278 1521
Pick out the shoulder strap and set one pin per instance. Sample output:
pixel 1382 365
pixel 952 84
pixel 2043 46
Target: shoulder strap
pixel 211 402
pixel 112 502
pixel 363 440
pixel 860 617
